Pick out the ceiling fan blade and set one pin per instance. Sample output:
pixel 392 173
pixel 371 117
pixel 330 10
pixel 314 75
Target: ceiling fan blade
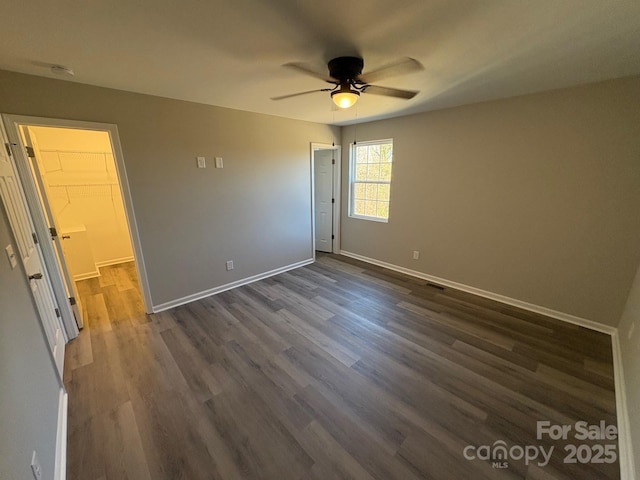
pixel 401 67
pixel 303 68
pixel 390 92
pixel 282 97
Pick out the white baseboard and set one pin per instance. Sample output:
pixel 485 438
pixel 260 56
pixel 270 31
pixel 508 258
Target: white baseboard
pixel 625 454
pixel 565 317
pixel 96 272
pixel 223 288
pixel 61 437
pixel 115 261
pixel 85 276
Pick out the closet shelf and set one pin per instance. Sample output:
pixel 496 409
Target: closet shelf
pixel 71 175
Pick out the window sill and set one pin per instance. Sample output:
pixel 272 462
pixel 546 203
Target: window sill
pixel 371 219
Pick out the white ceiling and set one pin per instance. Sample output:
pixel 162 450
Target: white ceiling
pixel 229 53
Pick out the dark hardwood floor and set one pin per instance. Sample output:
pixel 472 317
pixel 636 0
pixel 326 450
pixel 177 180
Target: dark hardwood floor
pixel 337 370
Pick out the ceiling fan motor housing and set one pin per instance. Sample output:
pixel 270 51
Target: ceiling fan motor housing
pixel 345 68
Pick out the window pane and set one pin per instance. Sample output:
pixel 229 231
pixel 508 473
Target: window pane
pixel 374 153
pixel 370 208
pixel 386 152
pixel 383 210
pixel 383 192
pixel 361 172
pixel 360 190
pixel 385 172
pixel 372 191
pixel 359 207
pixel 361 155
pixel 373 172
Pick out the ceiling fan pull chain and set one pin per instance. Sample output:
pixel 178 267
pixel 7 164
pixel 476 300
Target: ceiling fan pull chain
pixel 355 128
pixel 333 112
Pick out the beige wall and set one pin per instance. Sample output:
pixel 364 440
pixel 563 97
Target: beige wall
pixel 532 197
pixel 29 386
pixel 630 351
pixel 535 197
pixel 255 211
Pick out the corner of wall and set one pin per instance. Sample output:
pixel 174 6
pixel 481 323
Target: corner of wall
pixel 625 444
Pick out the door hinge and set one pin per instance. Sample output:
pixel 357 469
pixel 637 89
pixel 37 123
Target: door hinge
pixel 53 232
pixel 35 238
pixel 72 300
pixel 333 161
pixel 30 152
pixel 8 147
pixel 57 313
pixel 333 237
pixel 333 200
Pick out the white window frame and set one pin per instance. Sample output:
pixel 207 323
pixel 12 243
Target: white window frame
pixel 352 182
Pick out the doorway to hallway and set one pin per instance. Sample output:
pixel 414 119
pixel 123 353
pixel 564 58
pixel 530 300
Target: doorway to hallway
pixel 325 161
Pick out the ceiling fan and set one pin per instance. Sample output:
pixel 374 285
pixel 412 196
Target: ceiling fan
pixel 345 73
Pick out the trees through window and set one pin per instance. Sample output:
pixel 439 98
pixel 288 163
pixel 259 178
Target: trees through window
pixel 370 180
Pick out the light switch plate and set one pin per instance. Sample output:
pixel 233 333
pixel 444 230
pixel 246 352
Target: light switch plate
pixel 202 162
pixel 219 163
pixel 12 256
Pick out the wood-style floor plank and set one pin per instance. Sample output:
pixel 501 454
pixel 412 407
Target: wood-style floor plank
pixel 336 370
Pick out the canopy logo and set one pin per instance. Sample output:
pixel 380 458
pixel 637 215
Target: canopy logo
pixel 499 453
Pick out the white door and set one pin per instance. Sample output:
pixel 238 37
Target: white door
pixel 70 284
pixel 323 186
pixel 29 253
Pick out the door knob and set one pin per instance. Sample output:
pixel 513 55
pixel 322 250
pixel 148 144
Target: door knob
pixel 65 237
pixel 35 276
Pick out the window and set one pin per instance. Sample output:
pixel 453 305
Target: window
pixel 370 180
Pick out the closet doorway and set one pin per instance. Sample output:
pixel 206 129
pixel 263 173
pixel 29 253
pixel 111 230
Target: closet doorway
pixel 77 181
pixel 77 177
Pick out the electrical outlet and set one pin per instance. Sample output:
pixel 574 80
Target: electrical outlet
pixel 202 162
pixel 230 265
pixel 416 254
pixel 36 469
pixel 631 329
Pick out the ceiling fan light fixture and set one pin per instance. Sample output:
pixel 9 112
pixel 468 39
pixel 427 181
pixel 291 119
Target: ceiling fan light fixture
pixel 345 97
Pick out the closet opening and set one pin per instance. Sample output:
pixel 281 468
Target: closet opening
pixel 77 186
